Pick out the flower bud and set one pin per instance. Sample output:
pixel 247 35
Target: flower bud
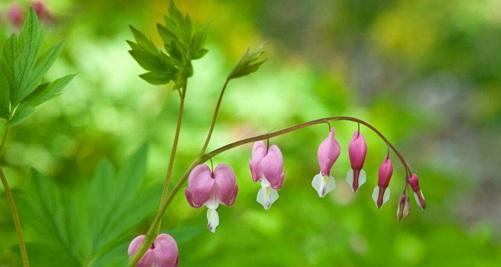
pixel 413 181
pixel 404 207
pixel 357 150
pixel 381 192
pixel 162 253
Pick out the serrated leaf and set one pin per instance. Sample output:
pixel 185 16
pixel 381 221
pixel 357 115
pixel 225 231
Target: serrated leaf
pixel 148 61
pixel 25 55
pixel 22 112
pixel 143 41
pixel 42 65
pixel 46 91
pixel 197 43
pixel 249 63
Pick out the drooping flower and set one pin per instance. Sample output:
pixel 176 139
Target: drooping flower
pixel 267 167
pixel 413 181
pixel 327 154
pixel 16 15
pixel 381 192
pixel 358 149
pixel 404 206
pixel 162 253
pixel 209 188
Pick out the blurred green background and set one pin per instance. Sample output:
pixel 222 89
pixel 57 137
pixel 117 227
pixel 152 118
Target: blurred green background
pixel 426 73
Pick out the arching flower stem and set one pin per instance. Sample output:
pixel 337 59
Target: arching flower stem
pixel 209 155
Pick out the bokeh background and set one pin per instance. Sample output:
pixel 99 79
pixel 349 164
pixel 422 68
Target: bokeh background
pixel 426 73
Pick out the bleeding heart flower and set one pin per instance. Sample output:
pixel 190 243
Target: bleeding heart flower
pixel 162 253
pixel 381 192
pixel 413 181
pixel 267 167
pixel 358 149
pixel 211 189
pixel 327 154
pixel 404 206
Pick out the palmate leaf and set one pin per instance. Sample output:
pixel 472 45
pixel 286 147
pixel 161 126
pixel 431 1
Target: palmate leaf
pixel 182 43
pixel 22 68
pixel 91 223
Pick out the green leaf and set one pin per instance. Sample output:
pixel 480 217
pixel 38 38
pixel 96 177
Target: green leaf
pixel 249 63
pixel 42 65
pixel 4 96
pixel 157 78
pixel 46 91
pixel 22 112
pixel 22 54
pixel 148 61
pixel 89 223
pixel 197 43
pixel 143 41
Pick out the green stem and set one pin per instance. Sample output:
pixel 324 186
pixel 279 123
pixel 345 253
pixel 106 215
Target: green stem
pixel 13 209
pixel 155 228
pixel 204 157
pixel 214 117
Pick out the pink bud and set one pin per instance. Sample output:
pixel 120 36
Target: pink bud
pixel 267 167
pixel 404 207
pixel 413 181
pixel 16 15
pixel 162 253
pixel 381 192
pixel 357 152
pixel 327 154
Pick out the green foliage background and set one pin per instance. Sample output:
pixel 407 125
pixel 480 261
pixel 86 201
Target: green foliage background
pixel 427 73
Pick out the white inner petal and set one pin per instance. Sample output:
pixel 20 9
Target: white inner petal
pixel 386 195
pixel 213 202
pixel 323 184
pixel 266 195
pixel 361 179
pixel 416 197
pixel 212 219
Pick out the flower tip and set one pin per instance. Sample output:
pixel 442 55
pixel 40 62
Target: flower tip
pixel 323 184
pixel 355 179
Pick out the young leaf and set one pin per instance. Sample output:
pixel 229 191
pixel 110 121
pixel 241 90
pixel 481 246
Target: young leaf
pixel 157 78
pixel 249 63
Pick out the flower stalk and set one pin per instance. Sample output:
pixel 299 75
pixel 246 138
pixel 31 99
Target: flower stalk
pixel 209 155
pixel 13 209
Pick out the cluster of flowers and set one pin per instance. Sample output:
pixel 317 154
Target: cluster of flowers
pixel 212 187
pixel 15 13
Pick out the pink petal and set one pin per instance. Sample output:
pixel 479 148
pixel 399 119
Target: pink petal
pixel 357 151
pixel 258 153
pixel 327 153
pixel 226 186
pixel 272 166
pixel 148 258
pixel 200 186
pixel 166 251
